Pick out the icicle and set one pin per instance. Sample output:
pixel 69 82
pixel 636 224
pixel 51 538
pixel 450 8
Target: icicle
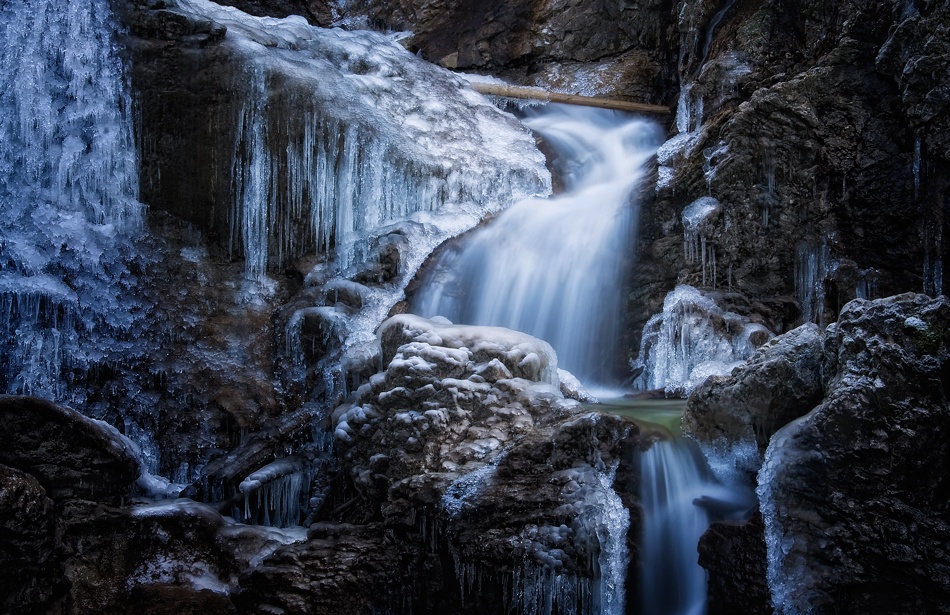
pixel 692 339
pixel 812 266
pixel 916 167
pixel 697 219
pixel 273 494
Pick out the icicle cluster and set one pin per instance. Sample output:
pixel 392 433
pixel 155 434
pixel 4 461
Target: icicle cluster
pixel 696 218
pixel 277 494
pixel 341 133
pixel 68 197
pixel 812 266
pixel 692 339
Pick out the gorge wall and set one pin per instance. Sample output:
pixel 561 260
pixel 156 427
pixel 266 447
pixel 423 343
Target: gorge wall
pixel 806 167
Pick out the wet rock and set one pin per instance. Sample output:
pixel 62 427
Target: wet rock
pixel 854 493
pixel 71 455
pixel 780 382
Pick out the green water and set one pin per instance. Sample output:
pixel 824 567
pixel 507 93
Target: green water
pixel 665 413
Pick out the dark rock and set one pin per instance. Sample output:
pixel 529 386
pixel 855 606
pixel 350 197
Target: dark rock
pixel 734 555
pixel 154 558
pixel 614 49
pixel 854 494
pixel 814 118
pixel 340 570
pixel 32 578
pixel 70 455
pixel 781 382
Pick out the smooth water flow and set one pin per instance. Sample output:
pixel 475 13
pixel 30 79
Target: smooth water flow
pixel 672 583
pixel 554 267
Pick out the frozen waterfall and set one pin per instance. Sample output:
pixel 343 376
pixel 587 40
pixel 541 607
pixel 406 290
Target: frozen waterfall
pixel 337 134
pixel 68 197
pixel 554 267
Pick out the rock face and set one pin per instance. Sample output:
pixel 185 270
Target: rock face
pixel 465 452
pixel 622 49
pixel 734 554
pixel 808 122
pixel 32 576
pixel 853 490
pixel 854 493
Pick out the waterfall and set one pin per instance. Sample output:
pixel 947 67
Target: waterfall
pixel 68 197
pixel 681 497
pixel 554 267
pixel 672 581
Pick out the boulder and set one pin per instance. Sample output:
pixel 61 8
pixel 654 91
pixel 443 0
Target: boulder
pixel 70 455
pixel 467 455
pixel 854 494
pixel 780 382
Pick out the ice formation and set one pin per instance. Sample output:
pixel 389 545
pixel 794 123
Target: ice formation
pixel 697 218
pixel 466 486
pixel 786 565
pixel 363 134
pixel 692 339
pixel 68 198
pixel 540 585
pixel 812 266
pixel 553 268
pixel 689 121
pixel 277 494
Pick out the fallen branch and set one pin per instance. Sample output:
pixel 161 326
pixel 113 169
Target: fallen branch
pixel 518 91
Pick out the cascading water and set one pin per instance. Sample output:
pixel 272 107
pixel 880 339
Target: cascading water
pixel 678 492
pixel 553 268
pixel 672 580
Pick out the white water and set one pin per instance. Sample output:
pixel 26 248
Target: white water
pixel 554 267
pixel 672 581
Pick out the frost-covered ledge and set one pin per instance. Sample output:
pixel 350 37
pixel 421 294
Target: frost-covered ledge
pixel 288 139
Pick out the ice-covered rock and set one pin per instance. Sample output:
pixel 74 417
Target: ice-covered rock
pixel 363 133
pixel 693 339
pixel 780 382
pixel 465 441
pixel 853 493
pixel 70 455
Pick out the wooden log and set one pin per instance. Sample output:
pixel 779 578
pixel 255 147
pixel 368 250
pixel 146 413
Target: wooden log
pixel 518 91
